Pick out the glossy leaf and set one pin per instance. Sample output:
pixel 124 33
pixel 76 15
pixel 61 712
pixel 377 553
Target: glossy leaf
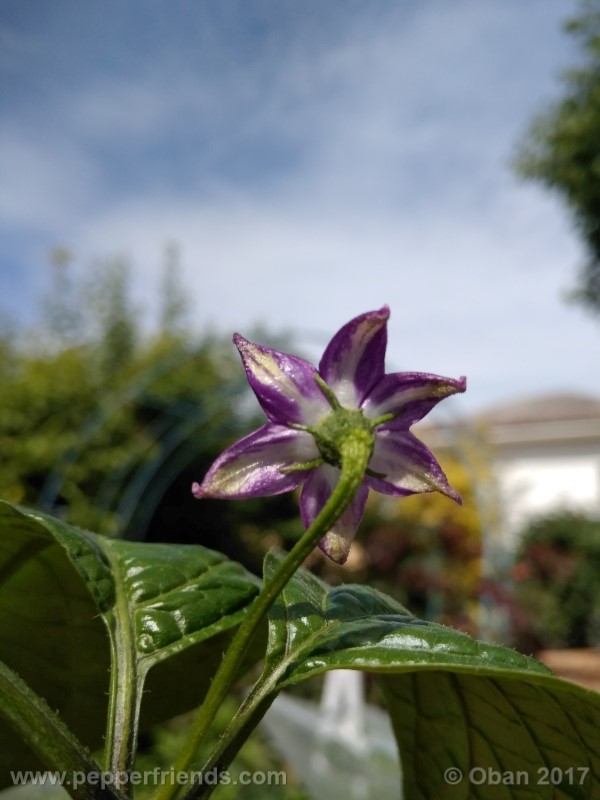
pixel 177 595
pixel 62 589
pixel 455 703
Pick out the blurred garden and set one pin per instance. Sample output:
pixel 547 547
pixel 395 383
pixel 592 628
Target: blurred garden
pixel 105 425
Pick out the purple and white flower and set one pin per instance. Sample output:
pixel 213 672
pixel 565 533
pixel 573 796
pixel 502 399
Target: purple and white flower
pixel 301 404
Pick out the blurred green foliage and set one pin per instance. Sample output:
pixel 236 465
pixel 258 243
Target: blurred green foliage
pixel 107 426
pixel 562 148
pixel 556 582
pixel 162 746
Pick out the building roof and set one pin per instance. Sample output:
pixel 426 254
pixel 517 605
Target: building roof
pixel 546 418
pixel 544 408
pixel 539 419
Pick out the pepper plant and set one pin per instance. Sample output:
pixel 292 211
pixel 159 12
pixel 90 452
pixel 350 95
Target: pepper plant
pixel 101 637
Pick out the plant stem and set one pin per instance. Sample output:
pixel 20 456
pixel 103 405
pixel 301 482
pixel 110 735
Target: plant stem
pixel 241 726
pixel 355 453
pixel 50 739
pixel 124 695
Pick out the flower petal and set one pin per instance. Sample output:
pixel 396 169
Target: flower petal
pixel 284 385
pixel 411 395
pixel 407 466
pixel 315 493
pixel 354 359
pixel 251 467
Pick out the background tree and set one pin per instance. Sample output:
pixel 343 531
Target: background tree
pixel 174 301
pixel 562 149
pixel 556 582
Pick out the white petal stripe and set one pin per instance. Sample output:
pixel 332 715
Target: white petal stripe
pixel 407 465
pixel 252 466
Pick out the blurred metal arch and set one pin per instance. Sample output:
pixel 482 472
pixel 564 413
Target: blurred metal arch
pixel 172 435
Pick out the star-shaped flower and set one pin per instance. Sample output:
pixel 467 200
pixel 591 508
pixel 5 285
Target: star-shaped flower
pixel 310 410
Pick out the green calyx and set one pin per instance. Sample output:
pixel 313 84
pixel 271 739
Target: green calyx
pixel 336 429
pixel 345 437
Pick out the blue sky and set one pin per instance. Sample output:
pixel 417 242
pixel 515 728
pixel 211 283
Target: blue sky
pixel 312 160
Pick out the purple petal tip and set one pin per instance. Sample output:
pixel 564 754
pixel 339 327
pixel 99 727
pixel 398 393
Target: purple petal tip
pixel 197 490
pixel 454 495
pixel 382 314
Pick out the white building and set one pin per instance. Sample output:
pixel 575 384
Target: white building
pixel 527 458
pixel 546 456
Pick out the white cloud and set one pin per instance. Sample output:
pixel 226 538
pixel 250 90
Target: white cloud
pixel 47 183
pixel 474 296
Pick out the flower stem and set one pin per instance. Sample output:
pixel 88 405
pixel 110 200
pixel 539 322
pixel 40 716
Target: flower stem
pixel 355 453
pixel 241 726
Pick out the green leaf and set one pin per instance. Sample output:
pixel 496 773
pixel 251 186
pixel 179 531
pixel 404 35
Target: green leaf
pixel 518 736
pixel 178 595
pixel 169 609
pixel 454 702
pixel 50 632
